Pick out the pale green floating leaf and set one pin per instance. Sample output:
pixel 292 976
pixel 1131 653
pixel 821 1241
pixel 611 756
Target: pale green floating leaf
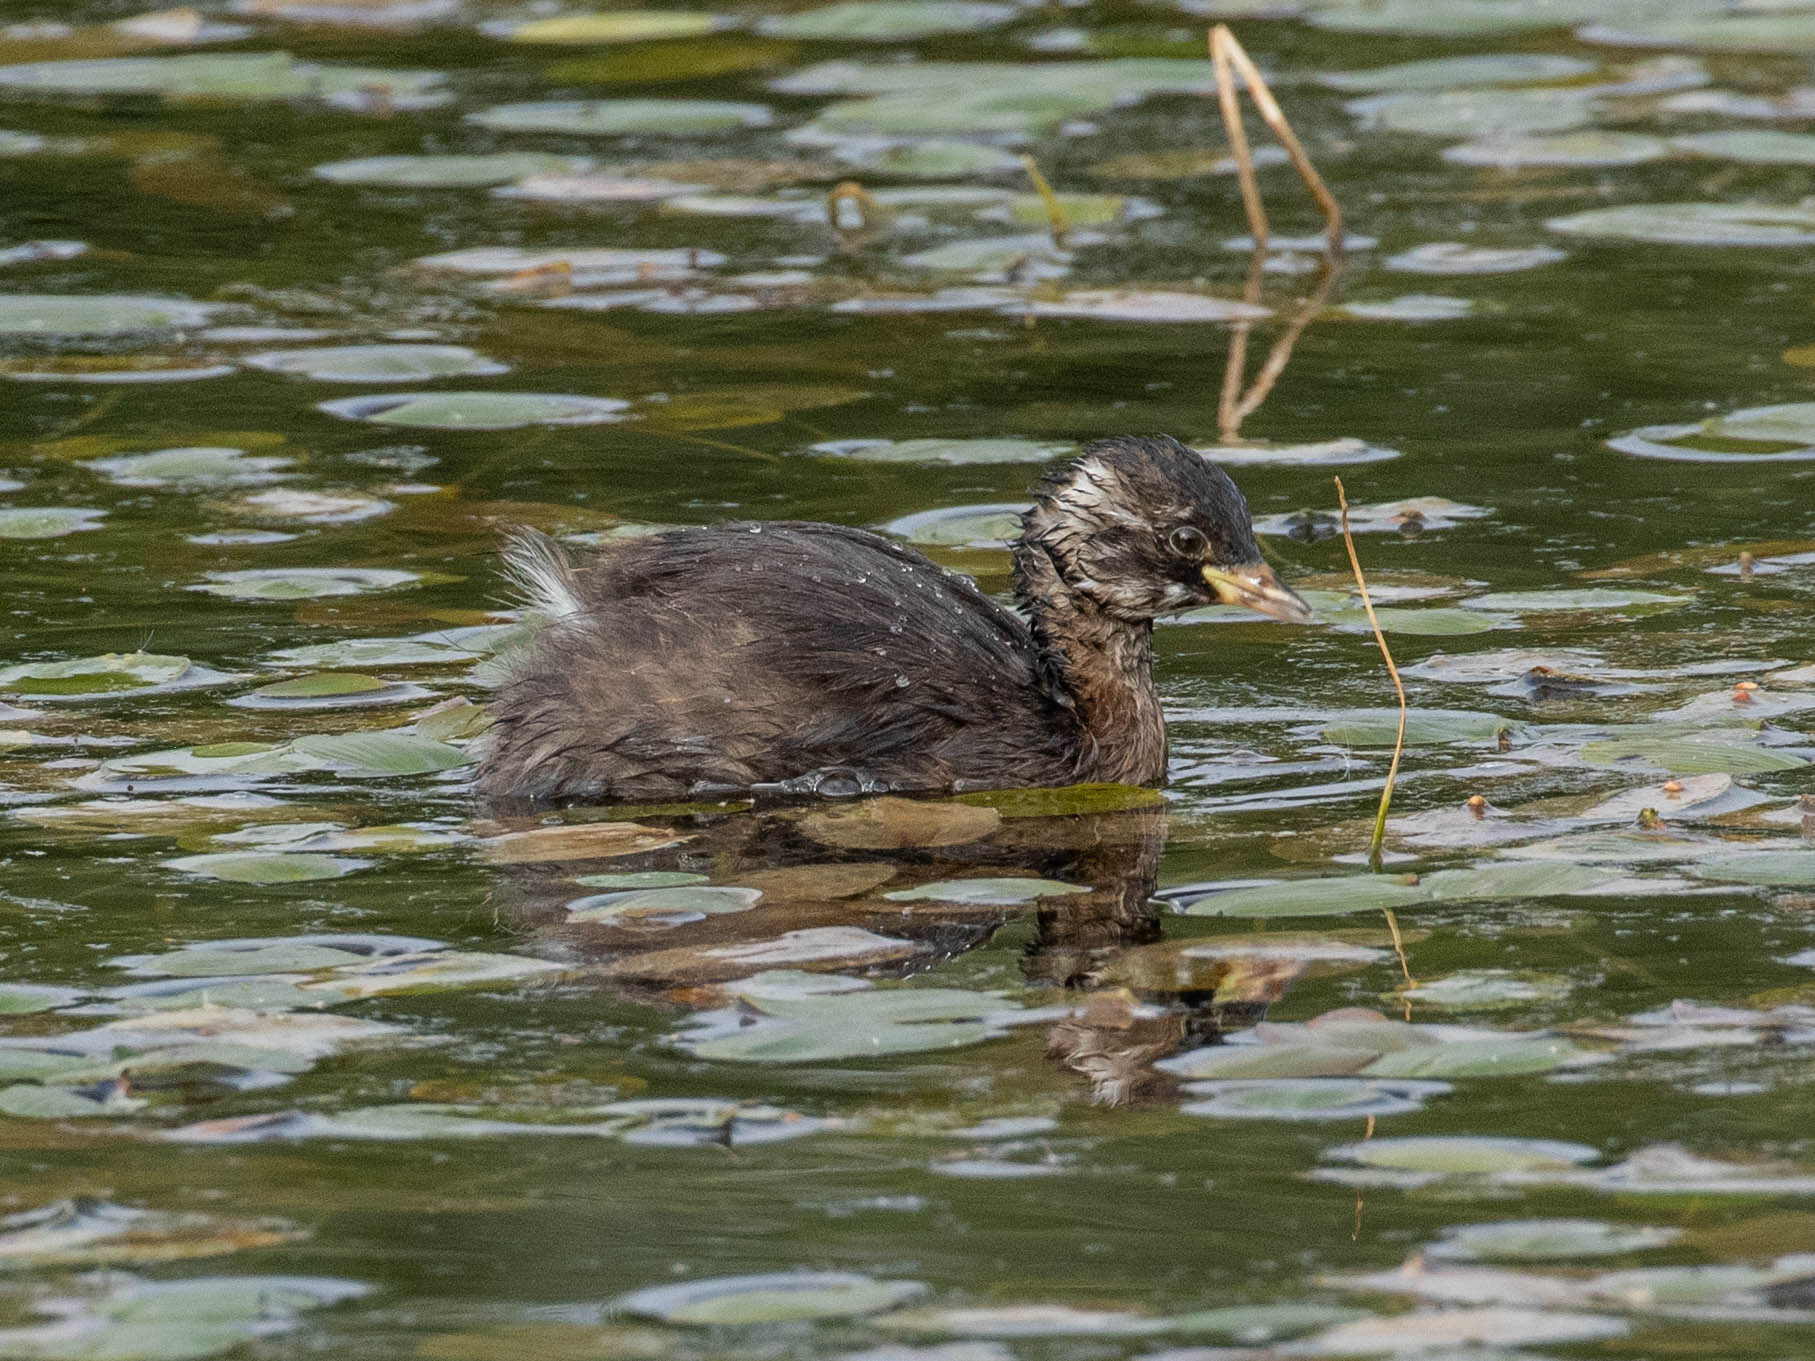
pixel 930 159
pixel 1695 224
pixel 1595 148
pixel 1433 18
pixel 1547 1240
pixel 1782 34
pixel 616 26
pixel 1460 1332
pixel 475 410
pixel 322 685
pixel 47 522
pixel 1512 879
pixel 641 879
pixel 887 20
pixel 305 583
pixel 776 1297
pixel 1306 898
pixel 28 1101
pixel 1448 73
pixel 628 262
pixel 109 674
pixel 272 954
pixel 985 892
pixel 378 363
pixel 242 867
pixel 1146 305
pixel 434 971
pixel 191 468
pixel 1456 257
pixel 825 1027
pixel 447 172
pixel 1080 210
pixel 960 526
pixel 661 904
pixel 1783 433
pixel 1563 600
pixel 1414 307
pixel 1481 114
pixel 949 451
pixel 1323 1098
pixel 1783 869
pixel 1720 751
pixel 66 314
pixel 1423 727
pixel 220 75
pixel 381 753
pixel 618 117
pixel 84 1231
pixel 1486 990
pixel 1024 1320
pixel 1465 1154
pixel 25 999
pixel 1511 1056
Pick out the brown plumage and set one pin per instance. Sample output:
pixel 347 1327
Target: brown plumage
pixel 828 659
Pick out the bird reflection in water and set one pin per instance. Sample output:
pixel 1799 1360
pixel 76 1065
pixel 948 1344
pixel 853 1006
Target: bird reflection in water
pixel 822 872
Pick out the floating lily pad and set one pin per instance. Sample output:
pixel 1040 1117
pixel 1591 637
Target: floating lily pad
pixel 273 868
pixel 204 467
pixel 796 1026
pixel 1784 869
pixel 887 20
pixel 88 1232
pixel 1719 751
pixel 1486 990
pixel 953 451
pixel 662 905
pixel 305 583
pixel 618 26
pixel 1448 73
pixel 625 261
pixel 1146 306
pixel 220 75
pixel 381 753
pixel 617 117
pixel 1481 113
pixel 447 172
pixel 1330 453
pixel 1454 257
pixel 777 1297
pixel 1305 898
pixel 75 314
pixel 1567 601
pixel 311 507
pixel 1457 1329
pixel 475 410
pixel 1694 224
pixel 1309 1098
pixel 112 673
pixel 111 368
pixel 1783 433
pixel 985 892
pixel 1423 727
pixel 47 522
pixel 1548 1240
pixel 1465 1154
pixel 1595 148
pixel 378 363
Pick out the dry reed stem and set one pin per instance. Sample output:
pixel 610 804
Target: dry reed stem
pixel 1229 59
pixel 1367 603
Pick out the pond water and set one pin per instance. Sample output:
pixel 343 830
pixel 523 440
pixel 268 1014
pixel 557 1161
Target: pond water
pixel 306 302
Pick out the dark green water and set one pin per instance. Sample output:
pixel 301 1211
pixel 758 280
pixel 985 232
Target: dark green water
pixel 308 1115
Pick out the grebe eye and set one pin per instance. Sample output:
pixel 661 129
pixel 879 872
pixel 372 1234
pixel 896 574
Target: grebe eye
pixel 1188 541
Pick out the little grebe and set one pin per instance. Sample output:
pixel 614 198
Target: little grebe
pixel 827 659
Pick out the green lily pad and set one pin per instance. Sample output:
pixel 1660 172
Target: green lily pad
pixel 381 753
pixel 887 20
pixel 1466 1155
pixel 305 583
pixel 323 685
pixel 641 879
pixel 1146 305
pixel 1562 600
pixel 620 117
pixel 475 410
pixel 1305 898
pixel 111 673
pixel 616 26
pixel 26 999
pixel 960 526
pixel 67 314
pixel 1480 113
pixel 47 522
pixel 825 1027
pixel 662 905
pixel 185 468
pixel 447 172
pixel 1423 727
pixel 219 75
pixel 1783 433
pixel 1444 622
pixel 985 892
pixel 931 158
pixel 1455 257
pixel 1547 1240
pixel 1589 147
pixel 1448 73
pixel 378 363
pixel 1486 990
pixel 1458 1331
pixel 1783 869
pixel 242 867
pixel 776 1297
pixel 1511 1056
pixel 1309 1098
pixel 1694 224
pixel 1719 751
pixel 433 971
